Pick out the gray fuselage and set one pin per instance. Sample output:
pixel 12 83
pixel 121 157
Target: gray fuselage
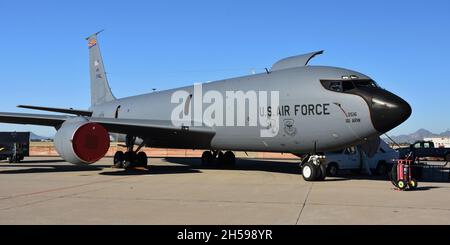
pixel 312 117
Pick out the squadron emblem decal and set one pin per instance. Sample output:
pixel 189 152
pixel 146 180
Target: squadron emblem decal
pixel 289 127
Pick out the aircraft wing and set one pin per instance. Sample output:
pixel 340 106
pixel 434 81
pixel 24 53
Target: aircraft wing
pixel 33 119
pixel 160 133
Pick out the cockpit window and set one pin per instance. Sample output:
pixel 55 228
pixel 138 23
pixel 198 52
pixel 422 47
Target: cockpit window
pixel 335 86
pixel 347 85
pixel 366 84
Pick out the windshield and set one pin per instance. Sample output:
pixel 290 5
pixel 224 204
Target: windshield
pixel 366 84
pixel 347 85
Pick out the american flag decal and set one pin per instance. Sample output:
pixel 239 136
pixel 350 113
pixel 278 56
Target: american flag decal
pixel 92 43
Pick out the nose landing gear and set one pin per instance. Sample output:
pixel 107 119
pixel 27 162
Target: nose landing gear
pixel 313 168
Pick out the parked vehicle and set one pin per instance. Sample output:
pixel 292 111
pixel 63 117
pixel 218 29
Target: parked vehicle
pixel 351 159
pixel 14 146
pixel 425 149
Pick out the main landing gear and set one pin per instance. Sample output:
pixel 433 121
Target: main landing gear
pixel 131 159
pixel 314 168
pixel 227 159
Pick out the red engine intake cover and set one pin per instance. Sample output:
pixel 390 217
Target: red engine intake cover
pixel 91 142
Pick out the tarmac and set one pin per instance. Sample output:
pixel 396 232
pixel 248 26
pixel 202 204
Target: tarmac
pixel 179 191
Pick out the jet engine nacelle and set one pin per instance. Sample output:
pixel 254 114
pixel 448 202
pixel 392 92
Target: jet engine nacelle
pixel 79 141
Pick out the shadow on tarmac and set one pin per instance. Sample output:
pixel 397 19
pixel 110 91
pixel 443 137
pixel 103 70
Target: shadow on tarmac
pixel 154 170
pixel 36 161
pixel 46 166
pixel 271 166
pixel 182 166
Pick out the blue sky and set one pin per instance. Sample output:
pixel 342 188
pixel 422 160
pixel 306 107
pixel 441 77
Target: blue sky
pixel 403 45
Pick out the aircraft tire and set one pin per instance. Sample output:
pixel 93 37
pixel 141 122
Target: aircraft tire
pixel 129 160
pixel 229 159
pixel 309 172
pixel 321 172
pixel 221 158
pixel 119 159
pixel 207 158
pixel 142 159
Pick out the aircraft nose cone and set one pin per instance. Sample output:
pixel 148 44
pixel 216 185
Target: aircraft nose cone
pixel 389 111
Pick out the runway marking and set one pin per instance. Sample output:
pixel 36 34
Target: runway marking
pixel 304 203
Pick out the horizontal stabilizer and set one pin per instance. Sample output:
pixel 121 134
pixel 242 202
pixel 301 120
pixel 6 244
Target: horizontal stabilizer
pixel 33 119
pixel 59 110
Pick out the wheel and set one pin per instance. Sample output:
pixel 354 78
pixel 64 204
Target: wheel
pixel 402 185
pixel 382 169
pixel 393 175
pixel 129 160
pixel 207 158
pixel 221 158
pixel 309 172
pixel 229 158
pixel 119 158
pixel 413 184
pixel 142 159
pixel 321 173
pixel 332 170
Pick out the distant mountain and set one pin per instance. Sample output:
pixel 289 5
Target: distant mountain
pixel 445 134
pixel 421 134
pixel 35 137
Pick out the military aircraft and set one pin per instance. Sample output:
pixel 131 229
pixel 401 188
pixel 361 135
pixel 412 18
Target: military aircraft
pixel 312 109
